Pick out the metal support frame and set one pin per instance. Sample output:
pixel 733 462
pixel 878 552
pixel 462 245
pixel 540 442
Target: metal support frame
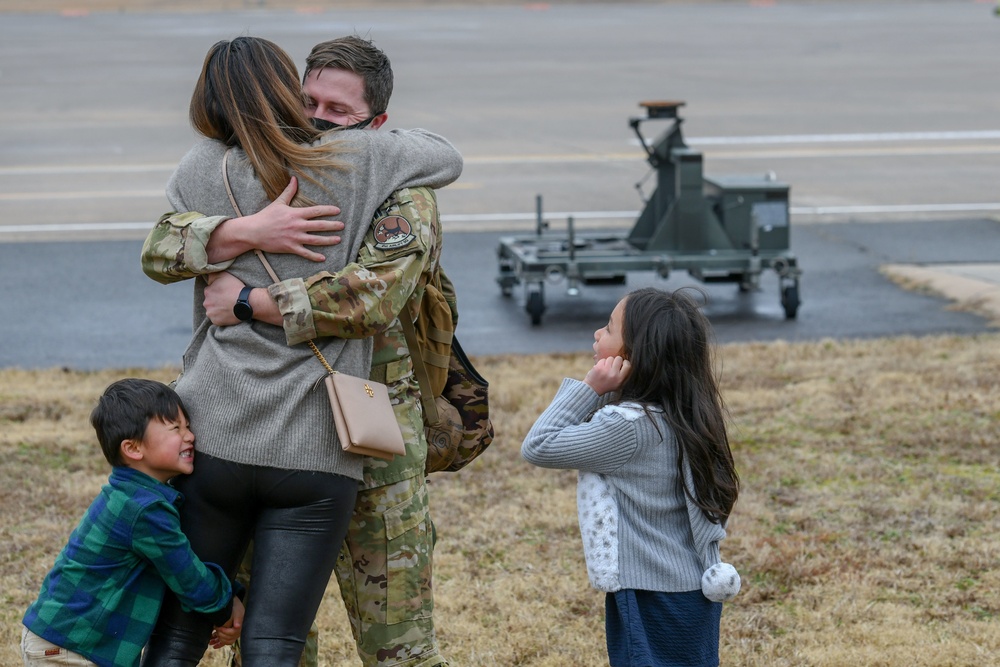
pixel 718 230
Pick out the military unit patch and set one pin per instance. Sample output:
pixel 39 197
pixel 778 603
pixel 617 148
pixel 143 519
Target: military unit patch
pixel 392 232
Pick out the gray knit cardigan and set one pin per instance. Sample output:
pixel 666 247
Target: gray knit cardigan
pixel 251 398
pixel 665 543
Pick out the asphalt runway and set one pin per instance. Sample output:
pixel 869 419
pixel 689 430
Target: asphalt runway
pixel 883 117
pixel 122 319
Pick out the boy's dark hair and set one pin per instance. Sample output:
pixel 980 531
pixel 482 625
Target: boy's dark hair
pixel 358 55
pixel 125 409
pixel 668 341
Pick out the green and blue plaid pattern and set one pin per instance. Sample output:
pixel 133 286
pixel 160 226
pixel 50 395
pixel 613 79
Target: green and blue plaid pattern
pixel 103 595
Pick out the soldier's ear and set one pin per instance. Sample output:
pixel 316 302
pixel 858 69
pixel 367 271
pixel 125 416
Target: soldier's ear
pixel 378 121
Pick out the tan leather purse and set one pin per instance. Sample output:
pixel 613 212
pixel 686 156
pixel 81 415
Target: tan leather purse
pixel 362 411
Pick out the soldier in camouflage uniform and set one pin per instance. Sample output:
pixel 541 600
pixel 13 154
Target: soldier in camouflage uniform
pixel 384 569
pixel 387 555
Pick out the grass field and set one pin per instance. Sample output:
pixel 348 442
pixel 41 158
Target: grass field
pixel 868 531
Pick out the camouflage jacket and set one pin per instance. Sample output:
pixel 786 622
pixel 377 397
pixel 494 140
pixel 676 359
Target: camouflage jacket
pixel 400 253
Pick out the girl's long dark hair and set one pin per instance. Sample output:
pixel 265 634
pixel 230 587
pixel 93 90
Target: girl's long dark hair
pixel 668 342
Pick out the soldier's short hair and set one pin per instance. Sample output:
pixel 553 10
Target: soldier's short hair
pixel 361 56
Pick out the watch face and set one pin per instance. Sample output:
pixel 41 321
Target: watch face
pixel 243 311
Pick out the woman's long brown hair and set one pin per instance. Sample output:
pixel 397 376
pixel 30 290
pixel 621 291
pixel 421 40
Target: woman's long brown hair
pixel 248 95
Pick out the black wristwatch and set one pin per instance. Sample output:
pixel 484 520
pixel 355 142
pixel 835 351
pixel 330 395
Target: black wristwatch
pixel 243 310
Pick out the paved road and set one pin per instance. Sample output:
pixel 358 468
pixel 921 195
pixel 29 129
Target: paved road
pixel 120 318
pixel 882 116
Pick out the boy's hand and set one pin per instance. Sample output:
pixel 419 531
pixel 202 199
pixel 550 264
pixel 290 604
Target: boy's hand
pixel 608 374
pixel 226 635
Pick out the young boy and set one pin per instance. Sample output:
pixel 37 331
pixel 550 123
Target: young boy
pixel 99 602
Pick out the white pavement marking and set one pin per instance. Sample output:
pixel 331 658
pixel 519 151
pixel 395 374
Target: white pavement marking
pixel 895 208
pixel 761 140
pixel 88 194
pixel 587 219
pixel 492 222
pixel 58 170
pixel 839 138
pixel 74 227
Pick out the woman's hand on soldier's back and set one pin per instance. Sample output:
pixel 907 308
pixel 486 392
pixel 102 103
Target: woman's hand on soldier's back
pixel 283 228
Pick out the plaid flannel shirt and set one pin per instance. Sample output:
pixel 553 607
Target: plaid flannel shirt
pixel 103 595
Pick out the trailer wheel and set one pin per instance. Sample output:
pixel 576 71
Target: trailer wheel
pixel 790 300
pixel 535 305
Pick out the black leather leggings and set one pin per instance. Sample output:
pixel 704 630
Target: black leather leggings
pixel 297 520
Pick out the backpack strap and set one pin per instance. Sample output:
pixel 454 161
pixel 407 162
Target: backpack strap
pixel 433 358
pixel 423 380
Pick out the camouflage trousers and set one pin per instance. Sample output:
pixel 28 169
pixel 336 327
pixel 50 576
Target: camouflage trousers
pixel 384 572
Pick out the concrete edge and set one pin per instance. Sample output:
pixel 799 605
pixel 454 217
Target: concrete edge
pixel 973 287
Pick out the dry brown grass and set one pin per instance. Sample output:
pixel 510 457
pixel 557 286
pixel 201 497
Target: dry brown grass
pixel 868 532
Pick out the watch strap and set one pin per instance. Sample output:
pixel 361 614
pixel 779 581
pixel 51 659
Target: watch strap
pixel 242 308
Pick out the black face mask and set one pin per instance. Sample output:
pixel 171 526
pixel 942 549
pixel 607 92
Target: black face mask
pixel 326 125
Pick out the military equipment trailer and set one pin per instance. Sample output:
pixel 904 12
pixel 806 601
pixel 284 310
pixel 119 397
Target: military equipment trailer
pixel 725 229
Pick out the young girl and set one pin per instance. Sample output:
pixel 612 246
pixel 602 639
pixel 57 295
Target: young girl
pixel 646 430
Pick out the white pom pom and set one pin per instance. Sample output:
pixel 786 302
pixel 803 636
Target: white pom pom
pixel 720 582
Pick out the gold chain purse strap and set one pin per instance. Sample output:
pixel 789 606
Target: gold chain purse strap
pixel 260 255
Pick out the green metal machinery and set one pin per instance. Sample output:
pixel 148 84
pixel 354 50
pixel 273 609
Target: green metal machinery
pixel 728 229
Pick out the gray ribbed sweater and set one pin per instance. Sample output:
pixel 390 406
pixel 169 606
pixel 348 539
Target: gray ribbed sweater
pixel 665 543
pixel 252 398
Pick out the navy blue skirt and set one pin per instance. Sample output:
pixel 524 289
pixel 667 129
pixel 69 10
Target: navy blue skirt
pixel 655 629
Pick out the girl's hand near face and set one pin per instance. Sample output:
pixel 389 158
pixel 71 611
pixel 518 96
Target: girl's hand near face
pixel 608 374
